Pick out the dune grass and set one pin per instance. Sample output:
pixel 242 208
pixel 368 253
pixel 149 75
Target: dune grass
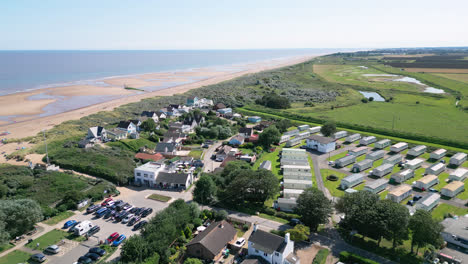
pixel 58 218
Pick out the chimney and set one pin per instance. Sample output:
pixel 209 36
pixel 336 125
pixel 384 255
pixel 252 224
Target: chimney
pixel 287 238
pixel 255 227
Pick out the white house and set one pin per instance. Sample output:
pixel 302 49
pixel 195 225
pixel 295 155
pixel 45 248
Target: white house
pixel 428 202
pixel 127 126
pixel 382 143
pixel 399 193
pixel 351 181
pixel 362 165
pixel 399 147
pixel 402 176
pixel 414 164
pixel 340 134
pixel 96 133
pixel 453 189
pixel 438 154
pixel 459 174
pixel 147 173
pixel 345 161
pixel 284 138
pixel 358 151
pixel 367 140
pixel 382 170
pixel 272 248
pixel 352 138
pixel 321 144
pixel 116 134
pixel 458 159
pixel 417 151
pixel 394 159
pixel 376 155
pixel 455 231
pixel 435 169
pixel 150 114
pixel 426 182
pixel 376 186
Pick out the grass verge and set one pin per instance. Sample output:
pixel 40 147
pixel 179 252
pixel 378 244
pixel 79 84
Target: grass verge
pixel 58 218
pixel 16 256
pixel 159 197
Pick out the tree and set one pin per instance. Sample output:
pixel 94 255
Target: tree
pixel 395 220
pixel 371 99
pixel 148 125
pixel 135 248
pixel 193 261
pixel 283 125
pixel 19 216
pixel 299 233
pixel 313 207
pixel 205 190
pixel 270 135
pixel 154 137
pixel 424 230
pixel 328 128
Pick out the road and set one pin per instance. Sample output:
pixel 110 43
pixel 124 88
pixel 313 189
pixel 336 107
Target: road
pixel 211 165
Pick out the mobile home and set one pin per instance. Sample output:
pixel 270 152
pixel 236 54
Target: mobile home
pixel 402 176
pixel 345 161
pixel 291 132
pixel 382 143
pixel 414 164
pixel 285 161
pixel 297 184
pixel 297 175
pixel 458 159
pixel 376 186
pixel 352 138
pixel 82 228
pixel 358 151
pixel 399 147
pixel 367 140
pixel 316 129
pixel 428 202
pixel 438 154
pixel 426 182
pixel 417 151
pixel 435 169
pixel 453 189
pixel 399 193
pixel 340 134
pixel 459 174
pixel 394 159
pixel 351 181
pixel 286 204
pixel 303 127
pixel 285 138
pixel 382 170
pixel 293 142
pixel 296 168
pixel 362 165
pixel 376 155
pixel 292 193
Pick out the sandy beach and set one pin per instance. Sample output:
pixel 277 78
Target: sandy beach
pixel 18 104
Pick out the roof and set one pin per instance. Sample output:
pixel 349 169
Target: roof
pixel 377 183
pixel 148 113
pixel 368 138
pixel 224 150
pixel 419 148
pixel 287 200
pixel 265 165
pixel 215 237
pixel 460 172
pixel 376 153
pixel 321 140
pixel 146 156
pixel 405 172
pixel 395 157
pixel 354 177
pixel 459 156
pixel 456 226
pixel 427 179
pixel 414 161
pixel 267 242
pixel 429 199
pixel 346 158
pixel 437 166
pixel 292 258
pixel 358 149
pixel 306 167
pixel 399 190
pixel 172 177
pixel 97 130
pixel 246 130
pixel 298 181
pixel 197 118
pixel 364 162
pixel 150 166
pixel 400 145
pixel 296 191
pixel 124 124
pixel 439 151
pixel 166 147
pixel 116 131
pixel 238 138
pixel 453 186
pixel 383 141
pixel 384 167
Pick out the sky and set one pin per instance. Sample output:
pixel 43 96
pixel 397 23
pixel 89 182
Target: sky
pixel 239 24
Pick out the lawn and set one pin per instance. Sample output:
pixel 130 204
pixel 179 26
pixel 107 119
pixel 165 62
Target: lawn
pixel 158 197
pixel 442 209
pixel 6 246
pixel 15 256
pixel 60 217
pixel 442 181
pixel 196 154
pixel 273 157
pixel 273 218
pixel 332 186
pixel 50 238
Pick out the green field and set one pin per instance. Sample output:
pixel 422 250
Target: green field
pixel 196 154
pixel 462 77
pixel 50 238
pixel 441 209
pixel 15 256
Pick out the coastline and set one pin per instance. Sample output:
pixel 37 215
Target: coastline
pixel 24 126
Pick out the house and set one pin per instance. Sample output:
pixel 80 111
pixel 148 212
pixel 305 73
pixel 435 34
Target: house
pixel 452 189
pixel 376 155
pixel 303 135
pixel 192 101
pixel 455 231
pixel 367 140
pixel 289 152
pixel 177 137
pixel 402 176
pixel 248 158
pixel 127 126
pixel 297 184
pixel 435 169
pixel 426 182
pixel 351 181
pixel 262 125
pixel 394 159
pixel 171 110
pixel 428 202
pixel 352 138
pixel 285 161
pixel 223 152
pixel 174 179
pixel 382 144
pixel 254 119
pixel 399 193
pixel 116 134
pixel 399 147
pixel 210 243
pixel 358 151
pixel 459 174
pixel 414 164
pixel 286 204
pixel 218 106
pixel 345 161
pixel 145 156
pixel 382 170
pixel 362 165
pixel 340 134
pixel 316 129
pixel 85 143
pixel 204 103
pixel 150 114
pixel 438 154
pixel 179 127
pixel 321 144
pixel 417 151
pixel 303 127
pixel 167 148
pixel 97 133
pixel 194 121
pixel 246 132
pixel 293 142
pixel 224 111
pixel 237 140
pixel 297 175
pixel 376 186
pixel 266 165
pixel 458 159
pixel 272 248
pixel 161 115
pixel 147 173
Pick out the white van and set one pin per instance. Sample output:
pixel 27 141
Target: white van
pixel 83 227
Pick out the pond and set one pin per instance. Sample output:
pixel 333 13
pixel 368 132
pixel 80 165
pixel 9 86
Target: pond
pixel 427 89
pixel 377 97
pixel 379 75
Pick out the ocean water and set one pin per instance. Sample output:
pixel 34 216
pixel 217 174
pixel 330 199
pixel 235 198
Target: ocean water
pixel 27 70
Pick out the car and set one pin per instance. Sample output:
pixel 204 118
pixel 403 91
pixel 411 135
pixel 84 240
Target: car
pixel 105 203
pixel 219 159
pixel 84 260
pixel 101 252
pixel 112 237
pixel 52 249
pixel 410 202
pixel 127 218
pixel 119 240
pixel 433 190
pixel 147 212
pixel 69 223
pixel 110 203
pixel 140 225
pixel 94 230
pixel 92 256
pixel 134 219
pixel 127 207
pixel 92 208
pixel 417 198
pixel 140 211
pixel 39 257
pixel 295 221
pixel 109 213
pixel 331 163
pixel 72 227
pixel 240 242
pixel 442 161
pixel 101 212
pixel 134 209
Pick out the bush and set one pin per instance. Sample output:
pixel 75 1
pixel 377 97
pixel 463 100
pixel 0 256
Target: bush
pixel 321 256
pixel 245 227
pixel 269 211
pixel 353 258
pixel 197 222
pixel 364 100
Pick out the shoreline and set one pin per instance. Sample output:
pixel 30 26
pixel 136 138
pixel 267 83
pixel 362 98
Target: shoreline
pixel 25 128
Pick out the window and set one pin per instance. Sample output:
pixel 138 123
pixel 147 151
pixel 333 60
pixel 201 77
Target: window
pixel 265 254
pixel 138 174
pixel 256 251
pixel 276 254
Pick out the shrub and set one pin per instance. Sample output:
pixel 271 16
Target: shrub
pixel 245 227
pixel 353 258
pixel 269 211
pixel 197 222
pixel 364 100
pixel 321 256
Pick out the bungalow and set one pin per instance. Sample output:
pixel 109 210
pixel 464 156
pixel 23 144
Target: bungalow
pixel 375 155
pixel 428 202
pixel 272 248
pixel 413 164
pixel 435 169
pixel 358 151
pixel 150 114
pixel 303 127
pixel 254 119
pixel 174 179
pixel 376 186
pixel 246 132
pixel 417 151
pixel 352 138
pixel 237 140
pixel 340 134
pixel 382 170
pixel 266 165
pixel 223 152
pixel 210 243
pixel 402 176
pixel 362 165
pixel 316 129
pixel 296 168
pixel 292 132
pixel 286 204
pixel 459 174
pixel 297 184
pixel 192 100
pixel 394 159
pixel 219 106
pixel 399 193
pixel 177 137
pixel 293 142
pixel 292 193
pixel 169 148
pixel 458 159
pixel 116 134
pixel 452 189
pixel 399 147
pixel 321 144
pixel 367 140
pixel 438 154
pixel 127 126
pixel 426 182
pixel 224 111
pixel 382 143
pixel 345 161
pixel 97 133
pixel 351 181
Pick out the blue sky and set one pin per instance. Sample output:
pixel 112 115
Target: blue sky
pixel 239 24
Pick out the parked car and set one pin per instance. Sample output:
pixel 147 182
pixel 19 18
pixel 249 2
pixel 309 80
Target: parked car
pixel 84 260
pixel 92 256
pixel 72 227
pixel 105 203
pixel 442 161
pixel 109 213
pixel 127 206
pixel 417 198
pixel 69 223
pixel 119 240
pixel 140 211
pixel 92 208
pixel 39 257
pixel 147 212
pixel 110 203
pixel 433 190
pixel 134 209
pixel 240 242
pixel 53 249
pixel 101 212
pixel 94 230
pixel 410 202
pixel 295 221
pixel 140 225
pixel 127 218
pixel 112 237
pixel 101 252
pixel 134 219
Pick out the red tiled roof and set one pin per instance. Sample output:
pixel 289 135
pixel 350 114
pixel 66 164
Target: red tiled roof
pixel 146 156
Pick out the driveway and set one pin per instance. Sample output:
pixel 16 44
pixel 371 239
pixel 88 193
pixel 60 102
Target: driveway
pixel 211 165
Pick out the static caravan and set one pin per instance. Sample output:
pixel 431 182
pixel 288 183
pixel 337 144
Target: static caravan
pixel 453 189
pixel 362 165
pixel 414 164
pixel 382 143
pixel 345 161
pixel 376 155
pixel 399 147
pixel 297 184
pixel 292 193
pixel 367 140
pixel 376 186
pixel 294 151
pixel 426 182
pixel 293 142
pixel 303 127
pixel 286 204
pixel 417 151
pixel 402 176
pixel 82 228
pixel 358 151
pixel 382 170
pixel 316 129
pixel 291 132
pixel 399 193
pixel 351 181
pixel 294 162
pixel 428 202
pixel 435 169
pixel 459 174
pixel 438 154
pixel 352 138
pixel 458 159
pixel 340 134
pixel 285 138
pixel 394 159
pixel 296 168
pixel 298 176
pixel 303 135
